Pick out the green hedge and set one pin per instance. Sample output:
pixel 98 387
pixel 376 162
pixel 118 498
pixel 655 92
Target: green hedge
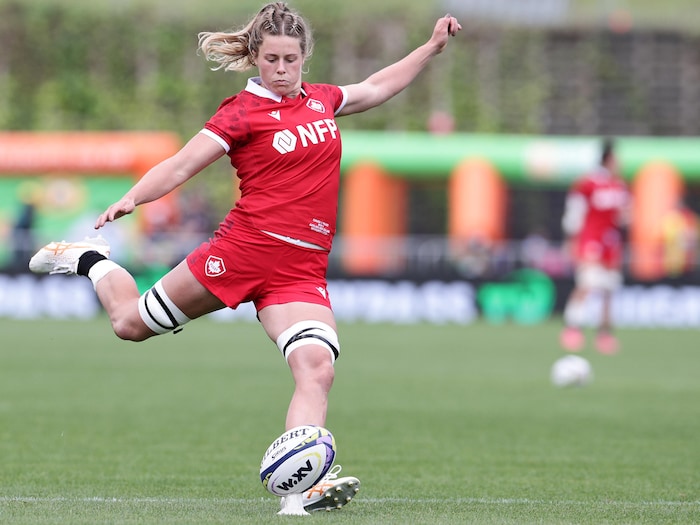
pixel 77 66
pixel 135 68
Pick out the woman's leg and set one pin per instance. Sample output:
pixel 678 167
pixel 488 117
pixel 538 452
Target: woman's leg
pixel 120 297
pixel 310 361
pixel 175 299
pixel 309 331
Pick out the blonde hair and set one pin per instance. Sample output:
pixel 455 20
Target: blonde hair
pixel 236 50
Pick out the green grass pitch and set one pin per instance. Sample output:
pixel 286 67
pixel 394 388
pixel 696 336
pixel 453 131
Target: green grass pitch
pixel 442 424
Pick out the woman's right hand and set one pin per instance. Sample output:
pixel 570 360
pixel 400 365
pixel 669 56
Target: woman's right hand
pixel 124 206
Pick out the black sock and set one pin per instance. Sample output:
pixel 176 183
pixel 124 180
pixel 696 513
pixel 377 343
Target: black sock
pixel 88 260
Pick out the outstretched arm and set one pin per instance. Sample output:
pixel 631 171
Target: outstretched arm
pixel 384 84
pixel 164 177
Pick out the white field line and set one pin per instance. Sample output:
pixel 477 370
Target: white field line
pixel 359 500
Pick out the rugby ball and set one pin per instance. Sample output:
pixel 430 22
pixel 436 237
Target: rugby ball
pixel 571 370
pixel 297 460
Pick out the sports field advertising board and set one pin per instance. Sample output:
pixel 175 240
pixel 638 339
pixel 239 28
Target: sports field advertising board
pixel 65 207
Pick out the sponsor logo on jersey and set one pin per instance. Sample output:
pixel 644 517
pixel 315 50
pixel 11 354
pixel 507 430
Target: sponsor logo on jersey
pixel 275 114
pixel 608 198
pixel 315 105
pixel 322 291
pixel 214 266
pixel 284 141
pixel 319 131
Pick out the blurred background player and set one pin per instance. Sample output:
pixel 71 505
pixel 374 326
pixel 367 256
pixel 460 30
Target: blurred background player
pixel 596 212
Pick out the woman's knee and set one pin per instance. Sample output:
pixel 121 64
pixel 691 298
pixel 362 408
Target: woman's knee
pixel 311 365
pixel 130 327
pixel 155 312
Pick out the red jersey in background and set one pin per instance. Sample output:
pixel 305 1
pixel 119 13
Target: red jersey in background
pixel 596 212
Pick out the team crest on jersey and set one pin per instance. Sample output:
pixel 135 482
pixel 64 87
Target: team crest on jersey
pixel 214 266
pixel 315 105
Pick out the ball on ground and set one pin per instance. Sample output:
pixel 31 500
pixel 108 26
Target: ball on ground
pixel 571 370
pixel 297 460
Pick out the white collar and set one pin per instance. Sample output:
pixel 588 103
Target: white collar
pixel 255 87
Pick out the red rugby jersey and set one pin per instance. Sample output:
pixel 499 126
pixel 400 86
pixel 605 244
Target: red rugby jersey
pixel 286 153
pixel 607 197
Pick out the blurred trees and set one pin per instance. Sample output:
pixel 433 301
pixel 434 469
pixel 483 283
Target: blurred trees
pixel 135 69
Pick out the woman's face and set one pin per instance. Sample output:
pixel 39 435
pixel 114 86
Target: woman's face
pixel 279 62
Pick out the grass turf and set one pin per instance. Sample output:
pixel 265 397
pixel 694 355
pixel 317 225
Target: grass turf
pixel 442 424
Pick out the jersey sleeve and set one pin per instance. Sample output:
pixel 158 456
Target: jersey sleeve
pixel 583 186
pixel 336 95
pixel 575 209
pixel 229 125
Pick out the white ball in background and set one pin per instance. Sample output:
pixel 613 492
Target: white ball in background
pixel 571 370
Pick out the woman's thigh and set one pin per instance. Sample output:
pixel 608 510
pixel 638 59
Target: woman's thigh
pixel 276 318
pixel 188 293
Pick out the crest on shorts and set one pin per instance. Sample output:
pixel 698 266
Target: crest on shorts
pixel 214 266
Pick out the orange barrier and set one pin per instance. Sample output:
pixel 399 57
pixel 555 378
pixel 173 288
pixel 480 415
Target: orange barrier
pixel 128 153
pixel 373 218
pixel 94 152
pixel 476 204
pixel 657 189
